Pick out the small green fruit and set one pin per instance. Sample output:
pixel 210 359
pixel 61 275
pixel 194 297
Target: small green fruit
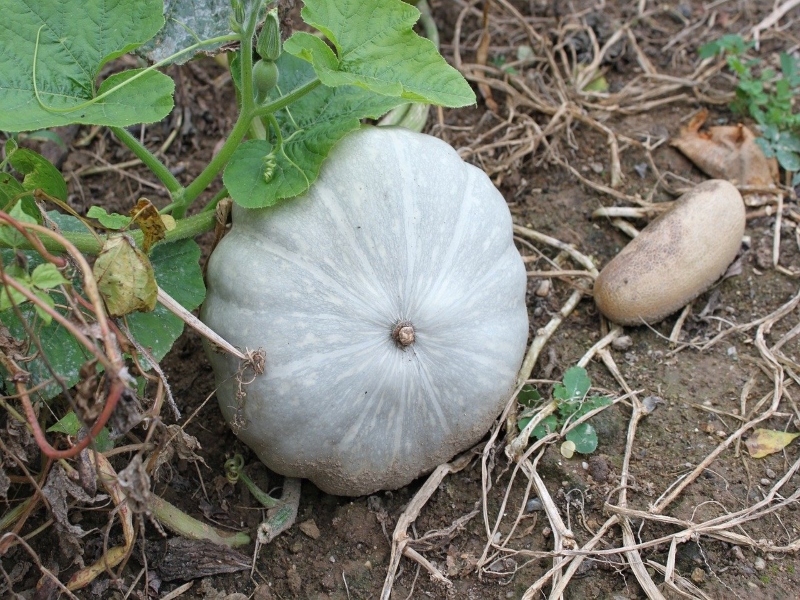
pixel 265 76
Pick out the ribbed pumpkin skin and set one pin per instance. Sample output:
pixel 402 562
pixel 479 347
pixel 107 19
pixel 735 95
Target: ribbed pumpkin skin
pixel 396 228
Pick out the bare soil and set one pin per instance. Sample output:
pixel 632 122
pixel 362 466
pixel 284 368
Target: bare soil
pixel 339 547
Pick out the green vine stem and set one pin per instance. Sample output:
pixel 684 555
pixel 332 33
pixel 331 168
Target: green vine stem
pixel 88 243
pixel 149 159
pixel 234 471
pixel 179 522
pixel 240 129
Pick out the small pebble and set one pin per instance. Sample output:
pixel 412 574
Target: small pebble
pixel 759 564
pixel 332 559
pixel 546 532
pixel 737 553
pixel 496 538
pixel 623 342
pixel 765 481
pixel 770 473
pixel 533 505
pixel 698 575
pixel 651 403
pixel 543 289
pixel 310 529
pixel 584 465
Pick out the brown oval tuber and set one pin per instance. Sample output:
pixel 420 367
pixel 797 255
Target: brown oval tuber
pixel 675 258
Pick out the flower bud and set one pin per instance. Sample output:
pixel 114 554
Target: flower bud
pixel 268 45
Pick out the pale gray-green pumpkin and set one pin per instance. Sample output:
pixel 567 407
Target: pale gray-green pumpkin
pixel 396 230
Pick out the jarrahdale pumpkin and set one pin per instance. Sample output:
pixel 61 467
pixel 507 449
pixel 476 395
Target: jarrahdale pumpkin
pixel 390 302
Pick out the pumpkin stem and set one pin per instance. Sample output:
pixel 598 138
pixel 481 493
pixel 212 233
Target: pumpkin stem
pixel 403 334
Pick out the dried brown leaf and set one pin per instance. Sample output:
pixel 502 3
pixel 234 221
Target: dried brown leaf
pixel 19 441
pixel 727 152
pixel 135 482
pixel 190 559
pixel 86 405
pixel 5 482
pixel 176 440
pixel 146 216
pixel 57 489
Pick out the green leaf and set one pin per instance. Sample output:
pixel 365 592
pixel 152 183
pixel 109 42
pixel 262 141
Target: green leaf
pixel 548 425
pixel 10 189
pixel 46 276
pixel 70 425
pixel 584 437
pixel 528 396
pixel 177 269
pixel 789 141
pixel 186 24
pixel 9 294
pixel 109 221
pixel 38 171
pixel 75 39
pixel 710 49
pixel 9 234
pixel 788 159
pixel 377 49
pixel 576 385
pixel 310 127
pixel 44 298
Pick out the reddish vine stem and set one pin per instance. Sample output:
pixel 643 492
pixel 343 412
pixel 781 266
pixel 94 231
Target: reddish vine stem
pixel 18 376
pixel 89 283
pixel 111 403
pixel 34 241
pixel 111 360
pixel 63 321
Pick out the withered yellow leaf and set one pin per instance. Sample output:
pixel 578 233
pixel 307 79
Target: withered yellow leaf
pixel 147 217
pixel 125 277
pixel 764 442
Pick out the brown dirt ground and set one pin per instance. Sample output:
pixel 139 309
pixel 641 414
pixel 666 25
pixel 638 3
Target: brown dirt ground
pixel 349 557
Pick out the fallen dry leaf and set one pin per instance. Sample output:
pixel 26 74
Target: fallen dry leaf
pixel 764 442
pixel 125 277
pixel 726 152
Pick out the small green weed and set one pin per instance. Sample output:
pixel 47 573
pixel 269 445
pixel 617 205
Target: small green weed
pixel 570 396
pixel 767 97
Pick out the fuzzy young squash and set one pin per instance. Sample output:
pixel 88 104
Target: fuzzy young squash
pixel 390 301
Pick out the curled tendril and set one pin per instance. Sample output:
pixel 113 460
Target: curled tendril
pixel 233 468
pixel 269 165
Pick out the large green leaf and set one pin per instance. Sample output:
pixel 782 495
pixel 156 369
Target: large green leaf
pixel 177 270
pixel 310 127
pixel 186 22
pixel 75 39
pixel 38 171
pixel 377 49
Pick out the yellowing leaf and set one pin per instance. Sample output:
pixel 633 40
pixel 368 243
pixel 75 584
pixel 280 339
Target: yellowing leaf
pixel 146 216
pixel 768 441
pixel 125 277
pixel 168 221
pixel 598 84
pixel 568 449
